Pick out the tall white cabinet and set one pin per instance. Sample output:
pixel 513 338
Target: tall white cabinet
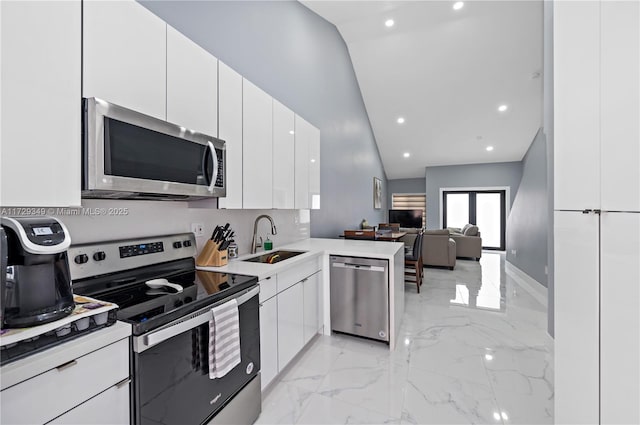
pixel 597 218
pixel 40 103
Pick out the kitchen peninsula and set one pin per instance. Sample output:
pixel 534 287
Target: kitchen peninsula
pixel 321 249
pixel 295 294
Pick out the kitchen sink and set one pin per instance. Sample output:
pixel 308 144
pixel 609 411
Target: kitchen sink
pixel 274 257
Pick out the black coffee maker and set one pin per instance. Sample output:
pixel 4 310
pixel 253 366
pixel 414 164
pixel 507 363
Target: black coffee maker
pixel 34 278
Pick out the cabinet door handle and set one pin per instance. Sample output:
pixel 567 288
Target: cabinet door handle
pixel 122 383
pixel 66 365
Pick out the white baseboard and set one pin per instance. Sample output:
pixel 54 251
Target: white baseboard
pixel 536 289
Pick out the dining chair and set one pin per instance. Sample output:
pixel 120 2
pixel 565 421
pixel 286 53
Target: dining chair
pixel 413 262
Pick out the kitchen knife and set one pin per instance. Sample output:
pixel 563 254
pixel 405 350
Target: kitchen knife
pixel 222 232
pixel 215 232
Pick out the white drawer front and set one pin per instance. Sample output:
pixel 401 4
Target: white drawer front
pixel 296 273
pixel 48 395
pixel 110 407
pixel 268 288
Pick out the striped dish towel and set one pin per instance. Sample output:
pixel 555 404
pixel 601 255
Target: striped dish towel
pixel 224 339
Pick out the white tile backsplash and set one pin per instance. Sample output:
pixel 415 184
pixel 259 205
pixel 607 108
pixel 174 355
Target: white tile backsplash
pixel 119 219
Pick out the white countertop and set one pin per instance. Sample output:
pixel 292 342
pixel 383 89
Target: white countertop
pixel 314 247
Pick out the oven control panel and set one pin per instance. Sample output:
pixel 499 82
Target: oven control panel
pixel 140 249
pixel 100 258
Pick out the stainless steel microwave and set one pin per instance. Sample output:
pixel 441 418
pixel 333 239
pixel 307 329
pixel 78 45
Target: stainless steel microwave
pixel 130 155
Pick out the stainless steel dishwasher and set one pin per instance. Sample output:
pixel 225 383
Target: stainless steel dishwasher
pixel 360 296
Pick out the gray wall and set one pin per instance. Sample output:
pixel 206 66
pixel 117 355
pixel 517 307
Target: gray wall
pixel 473 175
pixel 547 126
pixel 527 225
pixel 404 186
pixel 301 60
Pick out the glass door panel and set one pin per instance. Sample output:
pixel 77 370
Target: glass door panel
pixel 488 219
pixel 457 209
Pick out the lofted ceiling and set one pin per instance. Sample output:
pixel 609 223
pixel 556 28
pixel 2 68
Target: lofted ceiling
pixel 446 72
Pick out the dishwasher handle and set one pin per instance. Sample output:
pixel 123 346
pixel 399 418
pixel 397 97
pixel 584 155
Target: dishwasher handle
pixel 358 267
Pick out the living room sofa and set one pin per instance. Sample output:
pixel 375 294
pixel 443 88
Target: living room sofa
pixel 468 241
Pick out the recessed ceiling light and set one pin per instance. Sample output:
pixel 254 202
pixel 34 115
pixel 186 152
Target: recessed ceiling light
pixel 489 148
pixel 502 108
pixel 389 23
pixel 400 120
pixel 292 132
pixel 313 160
pixel 458 5
pixel 406 154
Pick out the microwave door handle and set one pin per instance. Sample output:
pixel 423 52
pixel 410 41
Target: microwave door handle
pixel 214 173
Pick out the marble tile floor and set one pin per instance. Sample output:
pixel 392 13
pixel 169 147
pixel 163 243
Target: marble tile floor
pixel 473 350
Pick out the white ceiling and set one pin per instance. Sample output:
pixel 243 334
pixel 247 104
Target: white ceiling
pixel 446 72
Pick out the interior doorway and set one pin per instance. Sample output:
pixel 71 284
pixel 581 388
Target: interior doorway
pixel 484 208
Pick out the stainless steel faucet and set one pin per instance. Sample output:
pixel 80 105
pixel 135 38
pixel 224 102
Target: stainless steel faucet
pixel 254 242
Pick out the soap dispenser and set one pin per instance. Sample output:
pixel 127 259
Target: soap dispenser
pixel 268 244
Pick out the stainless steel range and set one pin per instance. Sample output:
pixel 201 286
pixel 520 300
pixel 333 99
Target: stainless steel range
pixel 168 303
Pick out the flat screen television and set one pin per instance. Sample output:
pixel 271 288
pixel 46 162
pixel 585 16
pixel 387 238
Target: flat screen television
pixel 406 218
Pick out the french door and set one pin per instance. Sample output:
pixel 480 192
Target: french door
pixel 484 208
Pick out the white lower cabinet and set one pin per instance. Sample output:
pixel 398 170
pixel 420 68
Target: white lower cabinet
pixel 310 287
pixel 109 407
pixel 268 340
pixel 289 316
pixel 290 324
pixel 99 378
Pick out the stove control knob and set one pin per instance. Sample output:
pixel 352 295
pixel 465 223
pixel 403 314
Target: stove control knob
pixel 81 259
pixel 187 243
pixel 99 256
pixel 177 244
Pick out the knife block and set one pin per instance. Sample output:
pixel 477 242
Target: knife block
pixel 211 257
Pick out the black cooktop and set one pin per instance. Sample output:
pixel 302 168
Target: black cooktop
pixel 146 308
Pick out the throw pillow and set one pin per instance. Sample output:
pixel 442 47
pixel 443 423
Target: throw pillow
pixel 471 230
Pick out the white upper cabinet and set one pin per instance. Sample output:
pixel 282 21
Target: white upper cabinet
pixel 124 56
pixel 257 167
pixel 283 156
pixel 576 105
pixel 192 85
pixel 304 134
pixel 230 130
pixel 40 154
pixel 620 105
pixel 314 168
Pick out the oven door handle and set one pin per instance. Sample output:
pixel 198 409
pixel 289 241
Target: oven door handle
pixel 179 326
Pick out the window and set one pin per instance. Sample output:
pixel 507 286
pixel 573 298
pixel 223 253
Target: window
pixel 410 201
